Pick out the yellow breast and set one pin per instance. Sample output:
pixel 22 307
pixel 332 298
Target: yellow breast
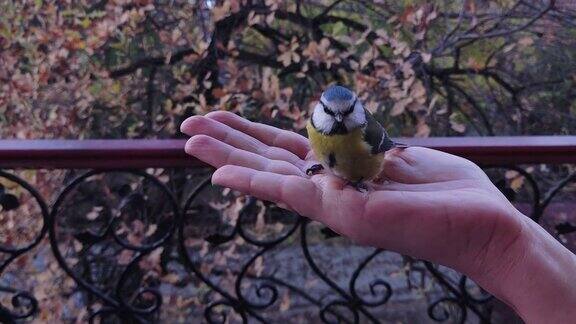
pixel 347 155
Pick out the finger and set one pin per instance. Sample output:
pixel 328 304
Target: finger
pixel 202 125
pixel 297 193
pixel 421 187
pixel 218 154
pixel 422 165
pixel 269 135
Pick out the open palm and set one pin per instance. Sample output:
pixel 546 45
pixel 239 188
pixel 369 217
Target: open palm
pixel 433 205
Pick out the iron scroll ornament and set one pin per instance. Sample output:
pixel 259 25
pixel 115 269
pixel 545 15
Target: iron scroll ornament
pixel 115 303
pixel 252 295
pixel 24 304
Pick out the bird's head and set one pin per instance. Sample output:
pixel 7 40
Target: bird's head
pixel 338 112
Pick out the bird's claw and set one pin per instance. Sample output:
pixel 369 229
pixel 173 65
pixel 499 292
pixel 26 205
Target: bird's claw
pixel 315 169
pixel 359 186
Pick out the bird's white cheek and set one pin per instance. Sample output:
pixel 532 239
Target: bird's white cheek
pixel 322 122
pixel 355 120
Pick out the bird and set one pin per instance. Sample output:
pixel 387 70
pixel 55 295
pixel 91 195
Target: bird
pixel 346 138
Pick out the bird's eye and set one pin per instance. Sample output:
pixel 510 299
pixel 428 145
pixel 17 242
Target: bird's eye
pixel 326 109
pixel 351 109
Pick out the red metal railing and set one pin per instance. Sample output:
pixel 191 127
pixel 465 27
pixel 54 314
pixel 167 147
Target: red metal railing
pixel 170 203
pixel 108 154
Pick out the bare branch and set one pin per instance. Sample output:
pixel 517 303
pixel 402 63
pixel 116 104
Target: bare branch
pixel 150 99
pixel 475 105
pixel 328 9
pixel 440 48
pixel 513 30
pixel 152 61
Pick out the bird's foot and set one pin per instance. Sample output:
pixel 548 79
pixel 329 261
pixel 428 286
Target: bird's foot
pixel 315 169
pixel 358 185
pixel 381 179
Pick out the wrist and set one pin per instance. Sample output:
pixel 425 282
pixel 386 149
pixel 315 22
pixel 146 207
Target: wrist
pixel 538 281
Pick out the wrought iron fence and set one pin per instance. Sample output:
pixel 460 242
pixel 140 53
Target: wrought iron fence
pixel 151 245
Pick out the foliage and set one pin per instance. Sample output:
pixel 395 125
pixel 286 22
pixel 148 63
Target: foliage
pixel 137 68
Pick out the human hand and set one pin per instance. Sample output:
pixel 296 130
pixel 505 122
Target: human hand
pixel 433 206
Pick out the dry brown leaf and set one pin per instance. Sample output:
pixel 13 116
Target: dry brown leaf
pixel 285 302
pixel 456 125
pixel 94 213
pixel 517 183
pixel 125 257
pixel 400 106
pixel 259 266
pixel 422 130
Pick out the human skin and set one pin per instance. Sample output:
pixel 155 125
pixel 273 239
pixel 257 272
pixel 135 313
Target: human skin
pixel 432 205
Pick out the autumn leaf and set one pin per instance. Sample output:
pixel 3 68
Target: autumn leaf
pixel 94 213
pixel 426 57
pixel 475 64
pixel 526 41
pixel 456 123
pixel 407 14
pixel 289 52
pixel 422 129
pixel 125 257
pixel 254 18
pixel 220 12
pixel 285 302
pixel 171 278
pixel 400 106
pixel 517 183
pixel 418 92
pixel 259 266
pixel 515 178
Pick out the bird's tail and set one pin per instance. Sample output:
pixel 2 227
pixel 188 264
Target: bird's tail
pixel 400 145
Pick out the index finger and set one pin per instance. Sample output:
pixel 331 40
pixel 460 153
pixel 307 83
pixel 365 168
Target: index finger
pixel 269 135
pixel 297 193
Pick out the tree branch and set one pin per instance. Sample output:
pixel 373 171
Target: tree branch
pixel 475 105
pixel 152 61
pixel 514 30
pixel 328 9
pixel 150 99
pixel 485 72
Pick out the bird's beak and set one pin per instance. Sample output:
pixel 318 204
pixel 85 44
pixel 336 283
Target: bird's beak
pixel 338 118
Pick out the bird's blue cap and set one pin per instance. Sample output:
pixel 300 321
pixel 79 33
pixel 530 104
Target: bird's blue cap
pixel 338 93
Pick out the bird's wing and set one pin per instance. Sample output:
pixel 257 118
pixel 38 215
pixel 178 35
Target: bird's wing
pixel 375 135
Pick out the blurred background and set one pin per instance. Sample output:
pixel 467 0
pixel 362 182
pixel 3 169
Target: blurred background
pixel 161 245
pixel 136 69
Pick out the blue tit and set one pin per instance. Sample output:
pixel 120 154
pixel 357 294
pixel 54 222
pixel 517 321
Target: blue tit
pixel 346 138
